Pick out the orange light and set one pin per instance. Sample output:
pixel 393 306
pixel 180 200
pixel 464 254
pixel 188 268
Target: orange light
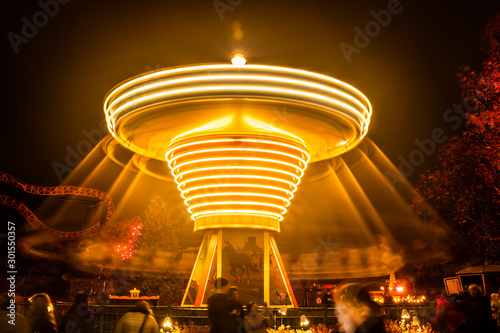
pixel 333 101
pixel 237 175
pixel 238 59
pixel 236 158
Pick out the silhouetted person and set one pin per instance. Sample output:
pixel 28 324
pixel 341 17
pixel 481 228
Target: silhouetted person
pixel 41 314
pixel 79 317
pixel 477 312
pixel 236 310
pixel 219 311
pixel 140 319
pixel 356 311
pixel 327 298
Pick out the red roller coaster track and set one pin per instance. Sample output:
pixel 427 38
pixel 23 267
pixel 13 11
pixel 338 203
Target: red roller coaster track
pixel 35 222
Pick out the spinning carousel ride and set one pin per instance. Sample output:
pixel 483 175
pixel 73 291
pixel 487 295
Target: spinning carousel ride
pixel 237 139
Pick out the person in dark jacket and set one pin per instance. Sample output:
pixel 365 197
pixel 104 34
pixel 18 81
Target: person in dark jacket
pixel 477 312
pixel 356 311
pixel 236 310
pixel 219 311
pixel 327 298
pixel 79 317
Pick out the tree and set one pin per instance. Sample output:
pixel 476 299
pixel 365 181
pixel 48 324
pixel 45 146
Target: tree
pixel 123 237
pixel 464 187
pixel 160 230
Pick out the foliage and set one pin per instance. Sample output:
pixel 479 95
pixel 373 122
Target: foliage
pixel 391 326
pixel 160 230
pixel 464 188
pixel 123 237
pixel 170 287
pixel 395 326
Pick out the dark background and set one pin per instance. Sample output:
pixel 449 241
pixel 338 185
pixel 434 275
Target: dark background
pixel 56 82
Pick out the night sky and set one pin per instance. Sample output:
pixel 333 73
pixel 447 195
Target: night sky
pixel 57 72
pixel 57 75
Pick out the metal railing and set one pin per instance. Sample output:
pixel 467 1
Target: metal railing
pixel 107 316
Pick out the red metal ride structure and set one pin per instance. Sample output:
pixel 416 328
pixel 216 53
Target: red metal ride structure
pixel 35 222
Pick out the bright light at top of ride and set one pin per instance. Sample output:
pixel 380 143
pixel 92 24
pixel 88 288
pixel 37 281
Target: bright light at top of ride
pixel 238 59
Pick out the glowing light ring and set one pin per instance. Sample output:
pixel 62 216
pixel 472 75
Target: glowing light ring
pixel 238 160
pixel 203 68
pixel 250 203
pixel 237 212
pixel 221 78
pixel 180 175
pixel 177 147
pixel 231 158
pixel 235 149
pixel 331 104
pixel 181 185
pixel 248 194
pixel 227 81
pixel 259 181
pixel 183 193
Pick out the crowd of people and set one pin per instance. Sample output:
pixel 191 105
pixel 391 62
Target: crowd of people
pixel 41 319
pixel 226 314
pixel 355 310
pixel 467 312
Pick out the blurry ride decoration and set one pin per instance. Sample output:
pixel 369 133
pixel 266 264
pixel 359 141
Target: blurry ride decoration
pixel 304 321
pixel 236 168
pixel 167 325
pixel 134 293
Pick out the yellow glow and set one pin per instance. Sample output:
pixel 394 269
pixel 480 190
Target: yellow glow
pixel 221 122
pixel 181 174
pixel 238 175
pixel 332 103
pixel 184 193
pixel 167 322
pixel 236 203
pixel 182 185
pixel 265 126
pixel 237 212
pixel 405 314
pixel 211 82
pixel 303 320
pixel 246 194
pixel 250 151
pixel 238 59
pixel 236 162
pixel 214 78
